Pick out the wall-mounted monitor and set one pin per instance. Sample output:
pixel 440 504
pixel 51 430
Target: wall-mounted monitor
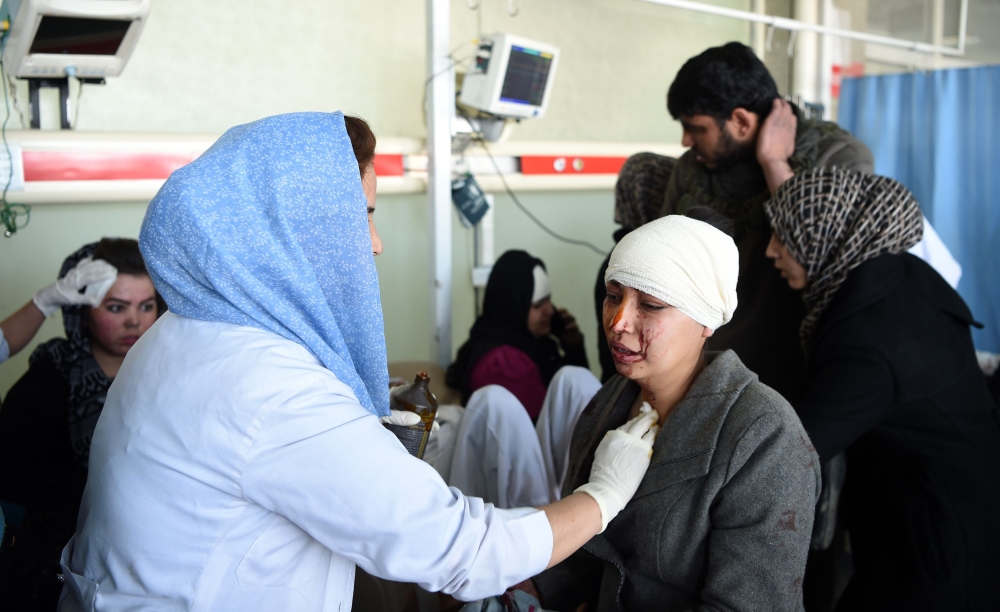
pixel 93 38
pixel 512 77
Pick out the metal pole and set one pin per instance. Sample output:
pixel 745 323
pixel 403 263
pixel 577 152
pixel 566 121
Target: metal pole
pixel 806 63
pixel 440 102
pixel 937 29
pixel 793 25
pixel 963 24
pixel 757 33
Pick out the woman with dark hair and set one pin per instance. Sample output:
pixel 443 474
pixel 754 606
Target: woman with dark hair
pixel 893 380
pixel 522 395
pixel 240 462
pixel 48 419
pixel 511 344
pixel 639 192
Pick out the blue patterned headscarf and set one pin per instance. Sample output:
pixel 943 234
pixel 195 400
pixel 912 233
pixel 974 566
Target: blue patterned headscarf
pixel 269 229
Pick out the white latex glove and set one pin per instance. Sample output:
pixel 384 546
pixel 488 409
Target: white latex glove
pixel 93 277
pixel 400 417
pixel 620 462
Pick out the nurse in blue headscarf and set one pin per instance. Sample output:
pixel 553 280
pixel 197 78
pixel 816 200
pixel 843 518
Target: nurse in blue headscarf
pixel 239 462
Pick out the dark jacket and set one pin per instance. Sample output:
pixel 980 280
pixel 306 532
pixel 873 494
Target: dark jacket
pixel 893 379
pixel 764 331
pixel 40 475
pixel 722 518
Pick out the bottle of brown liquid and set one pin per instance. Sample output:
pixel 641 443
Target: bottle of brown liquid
pixel 416 397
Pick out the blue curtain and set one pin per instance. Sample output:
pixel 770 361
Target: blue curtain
pixel 938 133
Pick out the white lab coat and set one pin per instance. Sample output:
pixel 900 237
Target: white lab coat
pixel 935 252
pixel 231 471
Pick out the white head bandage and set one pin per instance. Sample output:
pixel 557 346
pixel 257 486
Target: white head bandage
pixel 542 288
pixel 686 263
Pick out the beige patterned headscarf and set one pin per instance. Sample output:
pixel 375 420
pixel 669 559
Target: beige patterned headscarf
pixel 831 221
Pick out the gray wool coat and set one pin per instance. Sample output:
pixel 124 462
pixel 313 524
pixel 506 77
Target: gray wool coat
pixel 722 518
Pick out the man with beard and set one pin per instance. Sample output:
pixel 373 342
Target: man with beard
pixel 740 133
pixel 737 127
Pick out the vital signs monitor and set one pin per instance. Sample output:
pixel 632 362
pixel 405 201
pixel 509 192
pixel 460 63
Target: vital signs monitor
pixel 512 77
pixel 89 39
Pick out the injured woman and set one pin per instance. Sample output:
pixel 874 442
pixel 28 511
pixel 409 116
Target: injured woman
pixel 723 517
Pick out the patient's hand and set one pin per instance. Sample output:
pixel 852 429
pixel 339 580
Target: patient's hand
pixel 571 337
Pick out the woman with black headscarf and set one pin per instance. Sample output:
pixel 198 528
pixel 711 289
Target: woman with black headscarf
pixel 639 192
pixel 49 416
pixel 893 380
pixel 511 344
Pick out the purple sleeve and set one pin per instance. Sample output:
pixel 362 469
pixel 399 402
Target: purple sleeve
pixel 513 370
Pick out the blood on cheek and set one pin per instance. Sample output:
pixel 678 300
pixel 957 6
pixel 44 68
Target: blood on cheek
pixel 650 328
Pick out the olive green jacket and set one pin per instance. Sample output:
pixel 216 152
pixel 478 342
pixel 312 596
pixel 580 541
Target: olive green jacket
pixel 764 331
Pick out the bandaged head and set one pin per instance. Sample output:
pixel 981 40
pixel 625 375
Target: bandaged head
pixel 686 263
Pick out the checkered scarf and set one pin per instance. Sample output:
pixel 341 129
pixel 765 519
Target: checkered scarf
pixel 642 183
pixel 73 358
pixel 831 221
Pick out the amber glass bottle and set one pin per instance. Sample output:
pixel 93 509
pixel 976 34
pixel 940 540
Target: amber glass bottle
pixel 416 397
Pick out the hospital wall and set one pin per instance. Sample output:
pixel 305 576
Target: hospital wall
pixel 205 66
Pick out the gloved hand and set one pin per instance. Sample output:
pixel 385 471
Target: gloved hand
pixel 400 417
pixel 620 463
pixel 93 277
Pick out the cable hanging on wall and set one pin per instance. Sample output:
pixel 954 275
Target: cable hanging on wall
pixel 527 212
pixel 12 216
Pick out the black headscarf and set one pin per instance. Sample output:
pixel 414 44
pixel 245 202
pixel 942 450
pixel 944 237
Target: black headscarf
pixel 73 359
pixel 505 322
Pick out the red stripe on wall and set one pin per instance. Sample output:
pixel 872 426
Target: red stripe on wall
pixel 100 165
pixel 569 164
pixel 125 166
pixel 389 165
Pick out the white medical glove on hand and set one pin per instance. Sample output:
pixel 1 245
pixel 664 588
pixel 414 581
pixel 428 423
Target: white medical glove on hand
pixel 620 462
pixel 400 417
pixel 93 277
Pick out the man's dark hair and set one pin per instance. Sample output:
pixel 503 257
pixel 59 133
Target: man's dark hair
pixel 716 219
pixel 721 80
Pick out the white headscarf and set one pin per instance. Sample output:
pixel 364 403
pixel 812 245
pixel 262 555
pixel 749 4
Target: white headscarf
pixel 542 288
pixel 684 262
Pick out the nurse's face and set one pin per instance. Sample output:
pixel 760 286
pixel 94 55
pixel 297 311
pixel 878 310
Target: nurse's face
pixel 369 183
pixel 127 311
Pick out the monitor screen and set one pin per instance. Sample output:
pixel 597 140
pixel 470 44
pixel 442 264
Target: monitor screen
pixel 527 73
pixel 76 36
